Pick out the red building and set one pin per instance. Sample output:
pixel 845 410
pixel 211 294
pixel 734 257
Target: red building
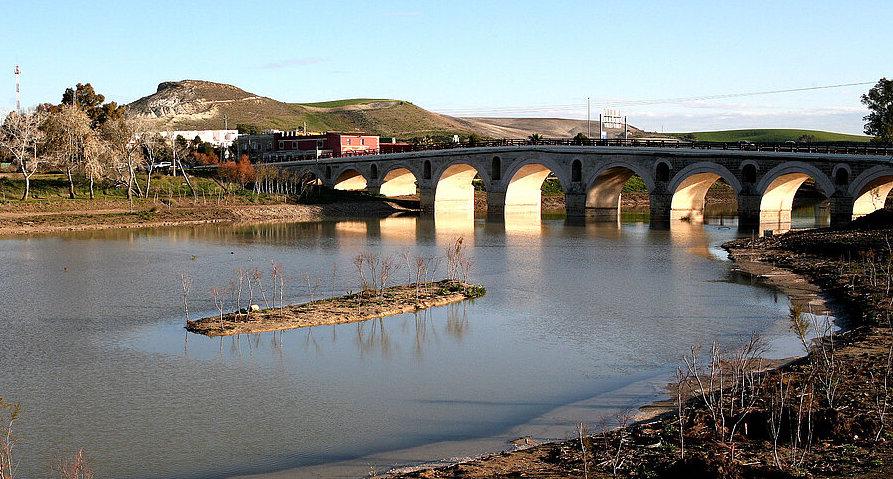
pixel 394 147
pixel 332 144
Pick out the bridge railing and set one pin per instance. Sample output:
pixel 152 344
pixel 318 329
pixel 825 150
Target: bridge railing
pixel 787 147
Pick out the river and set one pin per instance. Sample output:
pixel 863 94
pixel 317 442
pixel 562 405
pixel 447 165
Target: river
pixel 580 321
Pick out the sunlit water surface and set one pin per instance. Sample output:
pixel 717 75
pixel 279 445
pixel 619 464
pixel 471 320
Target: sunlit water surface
pixel 94 348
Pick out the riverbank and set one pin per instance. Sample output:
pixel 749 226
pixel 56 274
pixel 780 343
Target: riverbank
pixel 50 210
pixel 32 217
pixel 349 308
pixel 823 415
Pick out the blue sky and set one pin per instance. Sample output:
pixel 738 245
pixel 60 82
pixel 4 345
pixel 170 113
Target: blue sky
pixel 486 58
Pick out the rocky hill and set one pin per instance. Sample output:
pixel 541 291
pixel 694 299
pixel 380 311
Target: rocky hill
pixel 197 104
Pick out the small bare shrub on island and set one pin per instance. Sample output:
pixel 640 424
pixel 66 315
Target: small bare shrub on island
pixel 374 275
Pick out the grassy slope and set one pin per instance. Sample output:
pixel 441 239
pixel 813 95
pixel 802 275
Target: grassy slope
pixel 344 102
pixel 54 187
pixel 767 135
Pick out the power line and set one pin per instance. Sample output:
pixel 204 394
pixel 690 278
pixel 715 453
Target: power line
pixel 738 95
pixel 659 101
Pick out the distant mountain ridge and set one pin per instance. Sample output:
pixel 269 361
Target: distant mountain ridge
pixel 199 104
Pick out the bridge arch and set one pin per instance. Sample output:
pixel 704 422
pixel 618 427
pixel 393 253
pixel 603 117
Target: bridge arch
pixel 454 190
pixel 779 185
pixel 842 175
pixel 690 185
pixel 577 171
pixel 605 186
pixel 523 192
pixel 496 168
pixel 349 179
pixel 870 190
pixel 749 171
pixel 662 170
pixel 399 180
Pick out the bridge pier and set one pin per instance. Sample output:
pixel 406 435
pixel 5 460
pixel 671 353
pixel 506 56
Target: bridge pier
pixel 603 214
pixel 660 206
pixel 496 205
pixel 426 199
pixel 749 209
pixel 575 204
pixel 840 208
pixel 373 187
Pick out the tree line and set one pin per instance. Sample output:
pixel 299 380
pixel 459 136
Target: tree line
pixel 96 142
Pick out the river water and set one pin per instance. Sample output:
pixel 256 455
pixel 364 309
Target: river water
pixel 592 315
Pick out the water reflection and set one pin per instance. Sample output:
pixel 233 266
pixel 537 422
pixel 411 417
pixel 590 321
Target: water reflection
pixel 94 345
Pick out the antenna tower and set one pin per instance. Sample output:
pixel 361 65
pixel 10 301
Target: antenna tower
pixel 18 92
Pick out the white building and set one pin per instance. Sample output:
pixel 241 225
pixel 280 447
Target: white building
pixel 214 137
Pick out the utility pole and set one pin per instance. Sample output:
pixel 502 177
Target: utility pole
pixel 625 128
pixel 173 152
pixel 588 118
pixel 223 139
pixel 18 92
pixel 600 128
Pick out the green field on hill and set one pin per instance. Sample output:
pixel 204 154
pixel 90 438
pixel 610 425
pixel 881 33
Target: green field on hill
pixel 768 135
pixel 342 103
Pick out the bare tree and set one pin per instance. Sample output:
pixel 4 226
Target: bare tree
pixel 372 262
pixel 20 136
pixel 582 434
pixel 120 135
pixel 681 397
pixel 308 278
pixel 9 412
pixel 257 277
pixel 277 277
pixel 216 295
pixel 454 257
pixel 358 262
pixel 421 267
pixel 407 257
pixel 77 468
pixel 152 145
pixel 96 156
pixel 465 266
pixel 67 131
pixel 881 384
pixel 185 286
pixel 240 281
pixel 388 267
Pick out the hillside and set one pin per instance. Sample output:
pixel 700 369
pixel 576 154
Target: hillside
pixel 197 104
pixel 770 135
pixel 547 127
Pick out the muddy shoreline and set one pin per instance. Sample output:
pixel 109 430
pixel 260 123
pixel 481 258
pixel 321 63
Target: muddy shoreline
pixel 809 267
pixel 38 219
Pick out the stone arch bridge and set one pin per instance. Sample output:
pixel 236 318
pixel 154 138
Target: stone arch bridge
pixel 592 178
